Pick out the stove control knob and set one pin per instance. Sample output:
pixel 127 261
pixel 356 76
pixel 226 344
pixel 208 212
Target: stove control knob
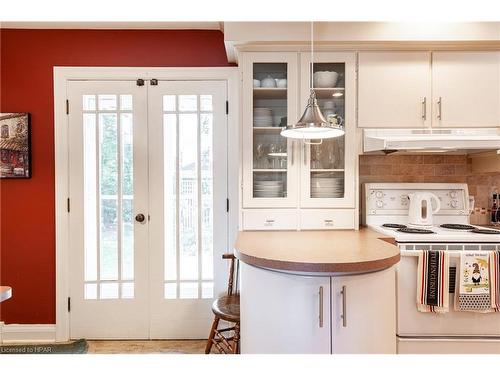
pixel 380 204
pixel 453 194
pixel 454 203
pixel 379 194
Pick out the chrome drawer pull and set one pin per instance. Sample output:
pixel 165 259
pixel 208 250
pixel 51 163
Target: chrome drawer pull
pixel 424 108
pixel 344 306
pixel 320 307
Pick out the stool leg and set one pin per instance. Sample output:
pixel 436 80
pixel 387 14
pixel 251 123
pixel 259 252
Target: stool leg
pixel 211 336
pixel 236 340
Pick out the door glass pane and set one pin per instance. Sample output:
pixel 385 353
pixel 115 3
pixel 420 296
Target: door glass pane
pixel 206 155
pixel 170 185
pixel 108 196
pixel 90 195
pixel 188 195
pixel 327 160
pixel 127 197
pixel 108 127
pixel 270 157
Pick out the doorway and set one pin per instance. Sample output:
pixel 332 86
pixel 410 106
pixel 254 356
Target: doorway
pixel 148 184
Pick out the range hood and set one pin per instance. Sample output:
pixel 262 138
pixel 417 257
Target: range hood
pixel 431 140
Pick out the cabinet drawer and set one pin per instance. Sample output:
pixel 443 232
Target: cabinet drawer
pixel 270 219
pixel 327 219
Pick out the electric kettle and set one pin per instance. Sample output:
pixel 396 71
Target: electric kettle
pixel 420 211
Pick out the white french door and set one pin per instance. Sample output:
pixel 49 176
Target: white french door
pixel 148 221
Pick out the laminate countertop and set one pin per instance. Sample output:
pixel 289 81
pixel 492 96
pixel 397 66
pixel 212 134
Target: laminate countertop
pixel 332 251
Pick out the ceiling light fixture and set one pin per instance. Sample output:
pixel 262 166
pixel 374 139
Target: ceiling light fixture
pixel 312 124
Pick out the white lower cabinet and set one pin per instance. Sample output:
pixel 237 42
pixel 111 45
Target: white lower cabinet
pixel 364 313
pixel 280 313
pixel 289 313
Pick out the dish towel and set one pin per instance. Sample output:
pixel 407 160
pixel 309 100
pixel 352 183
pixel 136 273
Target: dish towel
pixel 494 265
pixel 474 283
pixel 433 281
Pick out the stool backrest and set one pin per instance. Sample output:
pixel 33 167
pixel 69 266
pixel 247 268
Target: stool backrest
pixel 232 284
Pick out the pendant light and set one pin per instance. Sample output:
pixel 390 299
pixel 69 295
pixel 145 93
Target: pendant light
pixel 312 124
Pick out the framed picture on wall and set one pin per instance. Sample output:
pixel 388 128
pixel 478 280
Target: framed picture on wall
pixel 15 145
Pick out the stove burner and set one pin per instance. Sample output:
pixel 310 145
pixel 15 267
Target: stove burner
pixel 397 226
pixel 415 230
pixel 485 231
pixel 457 226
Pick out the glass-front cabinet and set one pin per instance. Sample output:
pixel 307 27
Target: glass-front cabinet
pixel 270 84
pixel 327 177
pixel 293 184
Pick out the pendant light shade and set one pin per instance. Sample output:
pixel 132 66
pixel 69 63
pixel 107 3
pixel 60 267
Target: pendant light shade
pixel 312 124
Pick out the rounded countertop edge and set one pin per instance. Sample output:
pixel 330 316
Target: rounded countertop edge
pixel 342 267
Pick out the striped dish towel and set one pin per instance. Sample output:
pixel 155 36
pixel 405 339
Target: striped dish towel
pixel 494 264
pixel 474 283
pixel 432 281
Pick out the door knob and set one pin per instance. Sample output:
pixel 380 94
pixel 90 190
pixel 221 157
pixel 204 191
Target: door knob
pixel 140 218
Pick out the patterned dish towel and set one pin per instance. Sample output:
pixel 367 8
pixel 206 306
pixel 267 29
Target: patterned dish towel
pixel 473 279
pixel 494 265
pixel 432 281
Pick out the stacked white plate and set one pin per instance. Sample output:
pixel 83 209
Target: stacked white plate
pixel 268 189
pixel 327 187
pixel 262 117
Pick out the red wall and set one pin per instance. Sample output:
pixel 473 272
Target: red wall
pixel 27 252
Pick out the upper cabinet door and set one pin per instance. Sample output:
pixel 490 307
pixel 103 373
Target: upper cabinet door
pixel 466 89
pixel 269 102
pixel 394 89
pixel 328 170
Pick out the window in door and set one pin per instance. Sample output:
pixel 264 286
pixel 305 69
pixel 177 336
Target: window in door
pixel 108 196
pixel 188 153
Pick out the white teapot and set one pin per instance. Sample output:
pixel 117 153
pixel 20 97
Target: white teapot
pixel 421 211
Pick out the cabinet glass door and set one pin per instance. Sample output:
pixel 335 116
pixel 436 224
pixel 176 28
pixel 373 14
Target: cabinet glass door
pixel 326 179
pixel 268 179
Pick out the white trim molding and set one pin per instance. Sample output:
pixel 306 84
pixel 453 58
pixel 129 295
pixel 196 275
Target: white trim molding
pixel 61 77
pixel 27 333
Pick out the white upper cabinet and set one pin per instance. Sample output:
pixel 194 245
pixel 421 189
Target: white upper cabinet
pixel 394 89
pixel 411 89
pixel 466 89
pixel 328 170
pixel 269 101
pixel 284 180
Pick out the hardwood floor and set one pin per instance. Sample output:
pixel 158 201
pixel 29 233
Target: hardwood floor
pixel 146 346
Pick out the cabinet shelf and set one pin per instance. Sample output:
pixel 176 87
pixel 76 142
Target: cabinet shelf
pixel 327 93
pixel 269 170
pixel 269 93
pixel 268 128
pixel 326 170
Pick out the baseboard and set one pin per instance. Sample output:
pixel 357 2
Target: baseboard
pixel 27 333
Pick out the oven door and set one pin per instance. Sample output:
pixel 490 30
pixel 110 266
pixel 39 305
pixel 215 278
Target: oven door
pixel 412 323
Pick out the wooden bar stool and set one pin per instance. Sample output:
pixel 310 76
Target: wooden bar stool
pixel 227 308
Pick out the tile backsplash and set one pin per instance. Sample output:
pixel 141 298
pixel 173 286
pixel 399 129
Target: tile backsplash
pixel 433 168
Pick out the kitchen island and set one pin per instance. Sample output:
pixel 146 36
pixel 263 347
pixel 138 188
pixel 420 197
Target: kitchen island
pixel 317 291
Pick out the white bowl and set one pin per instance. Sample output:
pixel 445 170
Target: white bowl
pixel 281 83
pixel 325 79
pixel 268 82
pixel 256 83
